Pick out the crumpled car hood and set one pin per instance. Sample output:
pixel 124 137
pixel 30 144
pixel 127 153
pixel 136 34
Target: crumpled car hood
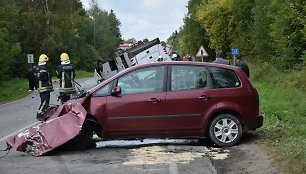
pixel 63 123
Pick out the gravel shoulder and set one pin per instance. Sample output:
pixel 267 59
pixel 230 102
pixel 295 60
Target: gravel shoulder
pixel 250 156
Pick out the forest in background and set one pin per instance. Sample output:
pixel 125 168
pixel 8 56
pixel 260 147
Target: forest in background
pixel 52 27
pixel 264 31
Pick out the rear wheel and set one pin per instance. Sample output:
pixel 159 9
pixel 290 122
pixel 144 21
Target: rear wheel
pixel 81 141
pixel 225 130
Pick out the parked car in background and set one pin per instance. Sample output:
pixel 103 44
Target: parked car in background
pixel 172 100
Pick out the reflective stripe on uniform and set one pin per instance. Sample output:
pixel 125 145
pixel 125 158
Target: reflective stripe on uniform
pixel 41 107
pixel 63 80
pixel 39 84
pixel 71 76
pixel 44 89
pixel 67 90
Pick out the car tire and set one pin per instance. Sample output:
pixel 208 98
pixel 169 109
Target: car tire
pixel 83 140
pixel 225 130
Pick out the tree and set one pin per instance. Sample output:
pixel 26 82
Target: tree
pixel 261 43
pixel 10 50
pixel 130 41
pixel 242 19
pixel 215 18
pixel 288 32
pixel 106 36
pixel 192 34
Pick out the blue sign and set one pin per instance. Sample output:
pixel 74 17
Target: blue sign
pixel 235 51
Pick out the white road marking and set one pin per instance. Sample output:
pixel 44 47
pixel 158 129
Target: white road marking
pixel 173 169
pixel 18 131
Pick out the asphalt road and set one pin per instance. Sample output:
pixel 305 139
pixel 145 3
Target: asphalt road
pixel 156 156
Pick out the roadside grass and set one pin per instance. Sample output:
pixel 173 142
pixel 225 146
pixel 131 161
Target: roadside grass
pixel 84 74
pixel 283 103
pixel 284 130
pixel 15 89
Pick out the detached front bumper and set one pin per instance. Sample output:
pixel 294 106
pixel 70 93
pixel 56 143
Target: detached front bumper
pixel 62 124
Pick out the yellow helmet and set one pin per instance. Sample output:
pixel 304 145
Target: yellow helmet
pixel 43 58
pixel 64 57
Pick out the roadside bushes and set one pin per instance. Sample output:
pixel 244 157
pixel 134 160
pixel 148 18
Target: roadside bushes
pixel 268 74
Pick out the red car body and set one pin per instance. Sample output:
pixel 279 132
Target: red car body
pixel 166 113
pixel 157 100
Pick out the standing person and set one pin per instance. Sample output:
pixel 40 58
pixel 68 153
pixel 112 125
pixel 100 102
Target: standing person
pixel 160 59
pixel 220 58
pixel 242 65
pixel 35 79
pixel 66 74
pixel 176 57
pixel 44 85
pixel 31 78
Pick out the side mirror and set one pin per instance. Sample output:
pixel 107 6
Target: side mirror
pixel 116 90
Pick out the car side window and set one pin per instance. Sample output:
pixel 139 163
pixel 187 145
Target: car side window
pixel 188 77
pixel 104 91
pixel 143 80
pixel 224 78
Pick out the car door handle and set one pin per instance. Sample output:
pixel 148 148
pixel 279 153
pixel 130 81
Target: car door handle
pixel 204 97
pixel 154 100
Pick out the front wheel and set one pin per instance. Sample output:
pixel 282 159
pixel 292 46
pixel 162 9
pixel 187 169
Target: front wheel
pixel 225 130
pixel 81 141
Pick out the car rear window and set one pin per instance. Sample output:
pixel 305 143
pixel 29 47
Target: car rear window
pixel 188 78
pixel 224 78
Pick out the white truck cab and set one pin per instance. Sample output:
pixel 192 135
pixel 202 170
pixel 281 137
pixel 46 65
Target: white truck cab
pixel 139 53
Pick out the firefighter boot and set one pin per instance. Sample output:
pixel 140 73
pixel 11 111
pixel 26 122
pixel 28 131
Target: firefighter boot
pixel 40 116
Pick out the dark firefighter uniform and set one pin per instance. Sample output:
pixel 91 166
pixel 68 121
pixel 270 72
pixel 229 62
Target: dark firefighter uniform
pixel 66 73
pixel 44 86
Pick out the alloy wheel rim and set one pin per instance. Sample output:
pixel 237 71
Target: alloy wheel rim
pixel 226 130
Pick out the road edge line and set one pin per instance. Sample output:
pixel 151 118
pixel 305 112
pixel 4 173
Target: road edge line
pixel 16 132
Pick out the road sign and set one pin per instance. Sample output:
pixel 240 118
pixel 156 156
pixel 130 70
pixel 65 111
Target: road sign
pixel 202 52
pixel 30 58
pixel 235 51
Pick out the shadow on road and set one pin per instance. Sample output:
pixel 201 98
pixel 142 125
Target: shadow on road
pixel 247 138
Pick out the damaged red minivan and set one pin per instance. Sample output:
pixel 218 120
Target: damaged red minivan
pixel 169 100
pixel 173 99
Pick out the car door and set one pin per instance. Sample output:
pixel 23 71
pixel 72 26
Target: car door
pixel 189 99
pixel 139 109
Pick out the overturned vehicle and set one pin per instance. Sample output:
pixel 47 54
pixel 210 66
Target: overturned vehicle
pixel 126 56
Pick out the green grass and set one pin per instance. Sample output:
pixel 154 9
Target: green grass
pixel 283 103
pixel 13 89
pixel 84 74
pixel 284 130
pixel 18 88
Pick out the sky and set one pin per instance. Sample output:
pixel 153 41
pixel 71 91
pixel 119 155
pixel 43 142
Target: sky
pixel 149 19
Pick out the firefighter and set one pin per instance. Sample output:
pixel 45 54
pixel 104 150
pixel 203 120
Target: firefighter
pixel 66 73
pixel 44 85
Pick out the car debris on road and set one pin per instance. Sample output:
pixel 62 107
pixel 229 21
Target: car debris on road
pixel 62 124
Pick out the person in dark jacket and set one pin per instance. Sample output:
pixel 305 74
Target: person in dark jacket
pixel 241 64
pixel 44 86
pixel 220 58
pixel 66 74
pixel 35 80
pixel 32 78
